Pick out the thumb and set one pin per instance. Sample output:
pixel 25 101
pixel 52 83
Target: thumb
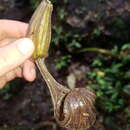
pixel 15 54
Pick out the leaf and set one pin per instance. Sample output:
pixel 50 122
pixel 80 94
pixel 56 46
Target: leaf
pixel 127 74
pixel 126 58
pixel 97 32
pixel 126 89
pixel 7 96
pixel 75 44
pixel 61 13
pixel 117 66
pixel 99 93
pixel 115 49
pixel 127 110
pixel 97 63
pixel 125 46
pixel 114 95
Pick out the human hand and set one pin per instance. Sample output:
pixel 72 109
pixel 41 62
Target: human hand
pixel 15 52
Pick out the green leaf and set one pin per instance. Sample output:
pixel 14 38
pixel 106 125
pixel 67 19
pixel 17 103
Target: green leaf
pixel 126 89
pixel 91 74
pixel 63 61
pixel 75 44
pixel 127 74
pixel 7 96
pixel 61 13
pixel 114 95
pixel 117 66
pixel 126 58
pixel 97 63
pixel 125 46
pixel 127 110
pixel 115 49
pixel 97 32
pixel 99 93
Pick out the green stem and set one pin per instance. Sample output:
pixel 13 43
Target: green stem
pixel 103 51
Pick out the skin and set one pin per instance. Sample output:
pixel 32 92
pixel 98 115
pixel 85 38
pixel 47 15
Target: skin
pixel 13 63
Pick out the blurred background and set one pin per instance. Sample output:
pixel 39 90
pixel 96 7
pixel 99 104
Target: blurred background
pixel 90 47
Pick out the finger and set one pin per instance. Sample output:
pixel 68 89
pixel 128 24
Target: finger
pixel 17 72
pixel 2 82
pixel 29 71
pixel 15 54
pixel 7 41
pixel 10 28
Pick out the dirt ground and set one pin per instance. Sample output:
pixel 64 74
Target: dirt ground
pixel 28 105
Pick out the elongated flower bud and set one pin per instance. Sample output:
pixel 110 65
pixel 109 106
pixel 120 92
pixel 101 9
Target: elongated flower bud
pixel 40 29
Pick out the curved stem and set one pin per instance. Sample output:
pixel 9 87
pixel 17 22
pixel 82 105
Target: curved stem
pixel 57 90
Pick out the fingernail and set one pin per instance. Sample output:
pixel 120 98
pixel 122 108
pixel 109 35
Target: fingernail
pixel 25 46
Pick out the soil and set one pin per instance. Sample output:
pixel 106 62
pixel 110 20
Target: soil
pixel 28 105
